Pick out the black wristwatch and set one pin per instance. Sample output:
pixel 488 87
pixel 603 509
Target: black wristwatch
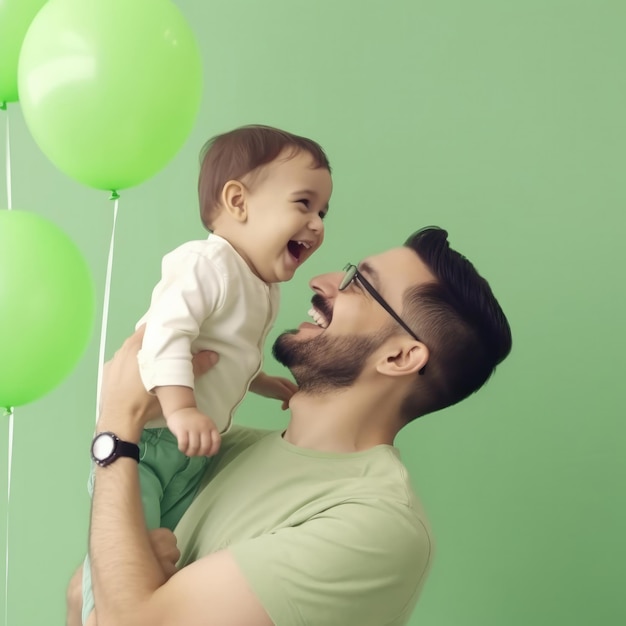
pixel 107 447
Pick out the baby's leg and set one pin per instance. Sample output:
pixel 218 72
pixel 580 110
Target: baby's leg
pixel 88 604
pixel 182 489
pixel 74 599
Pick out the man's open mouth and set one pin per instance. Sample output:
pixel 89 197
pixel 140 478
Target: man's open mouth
pixel 321 310
pixel 318 317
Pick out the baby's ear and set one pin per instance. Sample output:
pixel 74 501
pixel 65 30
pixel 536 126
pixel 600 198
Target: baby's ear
pixel 234 200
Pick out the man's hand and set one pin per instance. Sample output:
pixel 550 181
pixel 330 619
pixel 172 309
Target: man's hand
pixel 163 542
pixel 123 393
pixel 196 433
pixel 274 387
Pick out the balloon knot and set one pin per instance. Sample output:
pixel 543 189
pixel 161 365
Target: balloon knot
pixel 114 195
pixel 3 105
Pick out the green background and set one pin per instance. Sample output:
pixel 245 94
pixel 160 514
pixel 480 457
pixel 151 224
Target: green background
pixel 500 120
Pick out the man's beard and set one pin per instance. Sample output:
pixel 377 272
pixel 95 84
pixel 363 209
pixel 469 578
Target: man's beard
pixel 325 363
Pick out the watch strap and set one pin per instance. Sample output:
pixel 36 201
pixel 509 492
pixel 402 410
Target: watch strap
pixel 125 448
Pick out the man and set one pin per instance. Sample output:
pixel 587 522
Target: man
pixel 316 525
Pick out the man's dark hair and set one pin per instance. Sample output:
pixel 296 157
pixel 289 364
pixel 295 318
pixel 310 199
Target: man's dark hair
pixel 459 320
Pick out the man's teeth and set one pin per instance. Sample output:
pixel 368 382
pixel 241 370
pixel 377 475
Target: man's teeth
pixel 318 318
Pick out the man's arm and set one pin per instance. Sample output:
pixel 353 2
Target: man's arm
pixel 130 587
pixel 163 544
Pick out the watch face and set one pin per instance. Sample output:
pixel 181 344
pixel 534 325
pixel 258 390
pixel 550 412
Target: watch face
pixel 103 446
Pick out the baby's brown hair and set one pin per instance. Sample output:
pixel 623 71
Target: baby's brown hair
pixel 232 155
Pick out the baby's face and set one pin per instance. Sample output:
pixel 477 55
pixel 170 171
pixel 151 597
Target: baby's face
pixel 286 204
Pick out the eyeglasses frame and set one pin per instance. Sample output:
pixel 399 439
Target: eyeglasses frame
pixel 352 273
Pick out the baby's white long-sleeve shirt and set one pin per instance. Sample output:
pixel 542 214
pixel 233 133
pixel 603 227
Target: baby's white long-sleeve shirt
pixel 208 298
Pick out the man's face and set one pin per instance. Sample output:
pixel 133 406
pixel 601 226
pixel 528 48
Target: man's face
pixel 349 325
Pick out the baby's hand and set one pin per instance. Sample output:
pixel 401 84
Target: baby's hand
pixel 274 387
pixel 196 433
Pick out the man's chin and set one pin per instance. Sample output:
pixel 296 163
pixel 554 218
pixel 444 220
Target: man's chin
pixel 281 350
pixel 320 362
pixel 289 346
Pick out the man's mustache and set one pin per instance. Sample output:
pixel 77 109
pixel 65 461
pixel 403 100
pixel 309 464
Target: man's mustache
pixel 322 305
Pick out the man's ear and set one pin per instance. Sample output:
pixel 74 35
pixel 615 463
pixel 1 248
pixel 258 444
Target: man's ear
pixel 403 358
pixel 234 200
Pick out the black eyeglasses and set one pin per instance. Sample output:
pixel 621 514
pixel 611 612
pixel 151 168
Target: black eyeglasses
pixel 352 273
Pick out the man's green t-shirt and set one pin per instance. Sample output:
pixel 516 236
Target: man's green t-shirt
pixel 322 538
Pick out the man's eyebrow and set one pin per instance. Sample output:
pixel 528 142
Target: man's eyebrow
pixel 371 273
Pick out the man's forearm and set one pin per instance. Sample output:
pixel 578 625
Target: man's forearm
pixel 125 571
pixel 131 585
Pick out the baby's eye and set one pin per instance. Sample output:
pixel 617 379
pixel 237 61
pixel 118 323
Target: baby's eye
pixel 304 201
pixel 322 214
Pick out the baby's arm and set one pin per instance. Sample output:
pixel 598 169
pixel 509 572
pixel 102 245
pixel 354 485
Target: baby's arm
pixel 196 433
pixel 274 387
pixel 190 290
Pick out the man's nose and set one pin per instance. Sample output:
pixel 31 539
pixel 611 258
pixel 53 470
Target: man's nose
pixel 326 285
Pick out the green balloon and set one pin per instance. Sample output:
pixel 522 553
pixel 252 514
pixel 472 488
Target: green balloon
pixel 46 306
pixel 110 89
pixel 15 17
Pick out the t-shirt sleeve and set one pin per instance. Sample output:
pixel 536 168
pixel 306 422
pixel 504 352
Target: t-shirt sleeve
pixel 355 564
pixel 190 290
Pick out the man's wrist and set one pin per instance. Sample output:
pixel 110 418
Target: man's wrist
pixel 121 428
pixel 107 447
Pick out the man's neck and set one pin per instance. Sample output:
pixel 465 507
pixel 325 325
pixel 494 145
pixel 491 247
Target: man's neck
pixel 344 420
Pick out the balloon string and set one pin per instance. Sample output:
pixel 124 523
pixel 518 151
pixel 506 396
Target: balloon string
pixel 105 306
pixel 8 155
pixel 6 543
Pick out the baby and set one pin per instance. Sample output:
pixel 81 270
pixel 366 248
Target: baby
pixel 263 195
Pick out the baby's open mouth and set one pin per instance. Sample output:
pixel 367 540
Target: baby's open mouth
pixel 296 248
